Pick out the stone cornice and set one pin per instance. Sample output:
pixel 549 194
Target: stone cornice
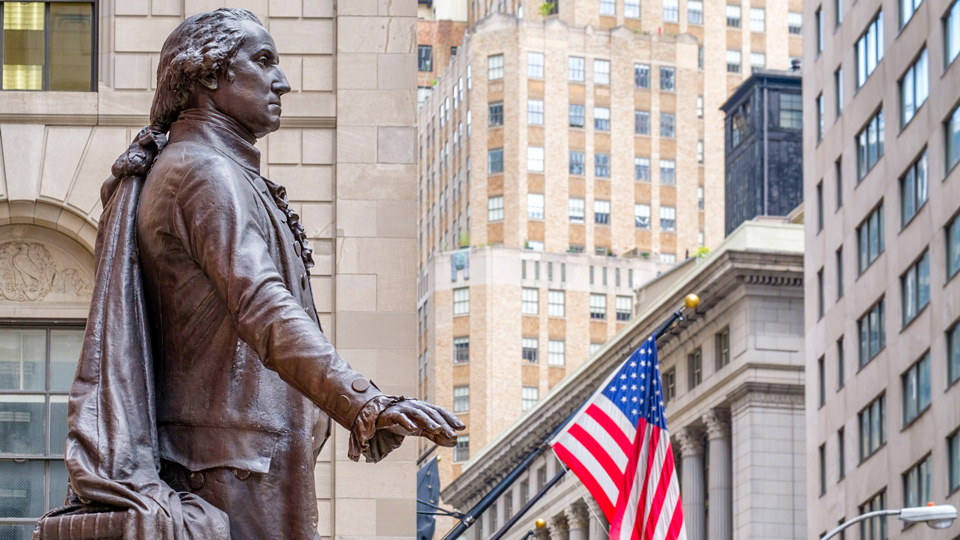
pixel 785 396
pixel 722 273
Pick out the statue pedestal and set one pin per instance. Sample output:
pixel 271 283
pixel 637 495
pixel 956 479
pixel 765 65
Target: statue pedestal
pixel 77 522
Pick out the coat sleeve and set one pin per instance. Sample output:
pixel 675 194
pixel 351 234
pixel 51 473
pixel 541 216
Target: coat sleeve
pixel 222 225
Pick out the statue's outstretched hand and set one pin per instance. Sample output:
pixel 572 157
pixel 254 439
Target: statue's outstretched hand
pixel 415 417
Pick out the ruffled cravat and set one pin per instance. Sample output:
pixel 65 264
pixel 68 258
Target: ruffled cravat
pixel 279 194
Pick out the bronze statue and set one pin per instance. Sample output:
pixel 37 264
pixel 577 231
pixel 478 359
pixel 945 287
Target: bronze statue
pixel 206 387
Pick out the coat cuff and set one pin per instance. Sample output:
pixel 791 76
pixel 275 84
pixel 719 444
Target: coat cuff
pixel 366 439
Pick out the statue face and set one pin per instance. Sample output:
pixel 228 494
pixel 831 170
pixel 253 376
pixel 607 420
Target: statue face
pixel 252 97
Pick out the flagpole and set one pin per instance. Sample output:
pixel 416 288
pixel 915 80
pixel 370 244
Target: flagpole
pixel 691 301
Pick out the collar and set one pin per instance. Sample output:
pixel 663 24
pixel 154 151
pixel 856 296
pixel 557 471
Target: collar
pixel 222 133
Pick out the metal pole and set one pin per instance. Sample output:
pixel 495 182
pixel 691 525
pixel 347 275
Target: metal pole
pixel 543 491
pixel 858 519
pixel 471 517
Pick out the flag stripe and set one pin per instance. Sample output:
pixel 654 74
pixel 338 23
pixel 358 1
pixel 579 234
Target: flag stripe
pixel 599 429
pixel 597 492
pixel 591 465
pixel 616 417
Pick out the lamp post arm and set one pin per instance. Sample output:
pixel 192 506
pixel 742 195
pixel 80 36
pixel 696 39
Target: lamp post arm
pixel 858 519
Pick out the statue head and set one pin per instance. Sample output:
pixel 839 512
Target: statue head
pixel 225 60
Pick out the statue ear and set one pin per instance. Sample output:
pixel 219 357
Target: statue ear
pixel 209 82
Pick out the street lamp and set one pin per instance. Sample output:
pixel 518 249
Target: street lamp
pixel 936 517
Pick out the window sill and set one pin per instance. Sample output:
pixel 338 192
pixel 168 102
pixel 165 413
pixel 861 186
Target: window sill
pixel 871 359
pixel 907 324
pixel 914 216
pixel 914 419
pixel 875 452
pixel 869 265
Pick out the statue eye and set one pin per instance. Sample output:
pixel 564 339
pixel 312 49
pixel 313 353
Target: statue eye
pixel 262 61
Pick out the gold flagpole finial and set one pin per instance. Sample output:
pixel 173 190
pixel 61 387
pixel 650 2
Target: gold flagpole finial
pixel 692 301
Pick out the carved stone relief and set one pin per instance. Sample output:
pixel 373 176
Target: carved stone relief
pixel 28 273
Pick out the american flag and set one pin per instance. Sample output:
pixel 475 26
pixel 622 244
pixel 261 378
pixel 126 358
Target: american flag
pixel 619 447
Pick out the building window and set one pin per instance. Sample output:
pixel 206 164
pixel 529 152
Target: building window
pixel 495 114
pixel 461 349
pixel 601 165
pixel 700 200
pixel 820 294
pixel 841 454
pixel 953 354
pixel 524 492
pixel 631 9
pixel 914 88
pixel 666 79
pixel 535 112
pixel 840 272
pixel 873 429
pixel 641 75
pixel 822 451
pixel 872 331
pixel 694 12
pixel 758 61
pixel 530 349
pixel 733 61
pixel 694 369
pixel 598 306
pixel 953 460
pixel 424 58
pixel 508 496
pixel 576 162
pixel 916 484
pixel 723 347
pixel 575 69
pixel 840 364
pixel 535 158
pixel 916 390
pixel 820 207
pixel 601 212
pixel 668 169
pixel 666 124
pixel 495 161
pixel 535 65
pixel 37 366
pixel 915 288
pixel 869 49
pixel 699 106
pixel 820 119
pixel 907 8
pixel 530 301
pixel 529 397
pixel 758 20
pixel 576 115
pixel 624 308
pixel 641 216
pixel 671 11
pixel 668 218
pixel 952 128
pixel 461 398
pixel 423 92
pixel 535 206
pixel 556 352
pixel 791 111
pixel 874 528
pixel 495 67
pixel 575 210
pixel 913 190
pixel 641 122
pixel 670 385
pixel 601 118
pixel 601 72
pixel 461 452
pixel 819 18
pixel 641 169
pixel 495 208
pixel 733 16
pixel 870 145
pixel 870 239
pixel 795 23
pixel 951 33
pixel 555 303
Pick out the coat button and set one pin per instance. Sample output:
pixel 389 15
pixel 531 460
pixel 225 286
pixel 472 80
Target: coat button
pixel 241 474
pixel 196 480
pixel 360 385
pixel 343 404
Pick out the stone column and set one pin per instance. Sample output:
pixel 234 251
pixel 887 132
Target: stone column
pixel 557 525
pixel 599 528
pixel 721 481
pixel 578 521
pixel 691 485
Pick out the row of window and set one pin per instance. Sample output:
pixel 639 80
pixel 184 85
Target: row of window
pixel 721 342
pixel 576 71
pixel 601 164
pixel 671 14
pixel 576 211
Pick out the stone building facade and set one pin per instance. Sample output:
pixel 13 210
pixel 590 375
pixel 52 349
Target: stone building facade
pixel 881 142
pixel 733 379
pixel 581 137
pixel 345 151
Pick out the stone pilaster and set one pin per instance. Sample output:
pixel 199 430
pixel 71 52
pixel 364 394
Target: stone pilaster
pixel 558 527
pixel 599 528
pixel 721 481
pixel 691 484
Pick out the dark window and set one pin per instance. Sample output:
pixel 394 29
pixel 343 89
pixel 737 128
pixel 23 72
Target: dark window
pixel 841 369
pixel 641 122
pixel 874 528
pixel 841 454
pixel 641 75
pixel 822 379
pixel 870 145
pixel 952 128
pixel 530 349
pixel 913 190
pixel 576 162
pixel 424 58
pixel 870 239
pixel 495 115
pixel 461 452
pixel 916 390
pixel 791 111
pixel 666 124
pixel 601 165
pixel 820 294
pixel 953 354
pixel 666 79
pixel 819 207
pixel 915 288
pixel 840 272
pixel 453 51
pixel 48 46
pixel 670 384
pixel 576 115
pixel 838 167
pixel 694 369
pixel 495 161
pixel 461 350
pixel 916 484
pixel 872 332
pixel 723 347
pixel 873 427
pixel 823 468
pixel 953 461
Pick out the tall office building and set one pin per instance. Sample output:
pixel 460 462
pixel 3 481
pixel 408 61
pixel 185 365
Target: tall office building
pixel 77 82
pixel 881 144
pixel 569 153
pixel 441 26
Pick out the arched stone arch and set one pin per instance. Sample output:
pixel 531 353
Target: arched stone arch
pixel 44 273
pixel 50 215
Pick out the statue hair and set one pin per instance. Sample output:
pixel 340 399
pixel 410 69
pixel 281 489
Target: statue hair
pixel 199 50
